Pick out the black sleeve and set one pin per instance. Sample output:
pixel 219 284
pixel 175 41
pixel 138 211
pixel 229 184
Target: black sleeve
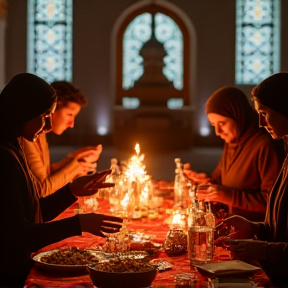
pixel 56 203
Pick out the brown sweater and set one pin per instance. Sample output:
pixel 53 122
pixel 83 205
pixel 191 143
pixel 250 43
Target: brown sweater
pixel 249 170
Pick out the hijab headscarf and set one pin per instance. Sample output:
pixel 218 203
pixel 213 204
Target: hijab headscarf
pixel 23 98
pixel 231 102
pixel 273 92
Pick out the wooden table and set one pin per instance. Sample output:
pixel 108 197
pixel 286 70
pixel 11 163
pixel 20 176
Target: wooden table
pixel 39 279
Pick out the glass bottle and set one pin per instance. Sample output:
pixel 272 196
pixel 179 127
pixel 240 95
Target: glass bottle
pixel 180 199
pixel 200 235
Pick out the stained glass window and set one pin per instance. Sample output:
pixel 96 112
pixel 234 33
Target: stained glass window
pixel 257 40
pixel 137 33
pixel 50 39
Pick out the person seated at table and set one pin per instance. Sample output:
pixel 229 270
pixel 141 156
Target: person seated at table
pixel 70 100
pixel 250 162
pixel 271 247
pixel 28 103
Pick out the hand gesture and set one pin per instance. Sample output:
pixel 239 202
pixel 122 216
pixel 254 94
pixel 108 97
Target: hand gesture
pixel 95 223
pixel 194 176
pixel 89 184
pixel 247 249
pixel 212 192
pixel 84 160
pixel 244 229
pixel 82 168
pixel 88 154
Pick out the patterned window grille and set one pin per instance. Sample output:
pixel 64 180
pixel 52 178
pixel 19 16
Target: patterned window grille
pixel 257 40
pixel 137 33
pixel 50 39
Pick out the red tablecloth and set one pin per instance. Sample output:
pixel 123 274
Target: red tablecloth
pixel 40 278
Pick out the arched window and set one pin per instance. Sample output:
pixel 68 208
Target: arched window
pixel 50 39
pixel 152 44
pixel 257 40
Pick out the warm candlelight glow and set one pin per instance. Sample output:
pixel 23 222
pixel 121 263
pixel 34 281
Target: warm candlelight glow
pixel 125 201
pixel 136 170
pixel 178 220
pixel 137 149
pixel 138 185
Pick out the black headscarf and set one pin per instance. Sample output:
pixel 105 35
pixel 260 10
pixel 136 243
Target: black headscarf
pixel 23 98
pixel 231 102
pixel 273 92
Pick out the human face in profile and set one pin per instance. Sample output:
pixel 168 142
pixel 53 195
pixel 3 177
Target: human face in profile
pixel 275 123
pixel 64 117
pixel 37 125
pixel 225 127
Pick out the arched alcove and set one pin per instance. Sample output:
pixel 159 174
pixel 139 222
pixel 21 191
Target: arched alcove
pixel 164 39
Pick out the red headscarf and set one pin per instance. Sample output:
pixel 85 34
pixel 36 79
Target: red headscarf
pixel 231 102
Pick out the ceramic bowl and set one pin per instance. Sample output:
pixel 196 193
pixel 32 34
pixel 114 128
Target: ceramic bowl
pixel 103 279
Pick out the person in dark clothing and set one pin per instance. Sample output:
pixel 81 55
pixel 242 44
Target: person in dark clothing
pixel 270 246
pixel 27 103
pixel 250 162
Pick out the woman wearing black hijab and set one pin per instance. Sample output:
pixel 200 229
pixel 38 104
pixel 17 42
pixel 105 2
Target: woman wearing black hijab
pixel 250 162
pixel 27 103
pixel 271 249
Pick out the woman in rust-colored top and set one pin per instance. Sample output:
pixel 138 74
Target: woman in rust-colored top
pixel 251 160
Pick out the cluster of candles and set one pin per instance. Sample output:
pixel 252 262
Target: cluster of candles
pixel 132 196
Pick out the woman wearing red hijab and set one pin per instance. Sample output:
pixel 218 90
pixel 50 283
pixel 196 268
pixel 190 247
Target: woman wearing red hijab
pixel 251 160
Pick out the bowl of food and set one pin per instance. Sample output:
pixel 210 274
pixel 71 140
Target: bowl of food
pixel 123 272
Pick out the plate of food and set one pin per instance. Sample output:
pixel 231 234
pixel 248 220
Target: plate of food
pixel 68 260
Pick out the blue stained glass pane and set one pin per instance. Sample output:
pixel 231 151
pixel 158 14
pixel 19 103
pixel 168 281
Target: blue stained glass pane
pixel 137 33
pixel 130 102
pixel 50 39
pixel 168 33
pixel 257 40
pixel 175 103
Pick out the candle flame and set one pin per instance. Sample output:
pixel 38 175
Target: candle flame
pixel 136 170
pixel 137 148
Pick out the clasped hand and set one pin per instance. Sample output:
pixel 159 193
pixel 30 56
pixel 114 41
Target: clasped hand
pixel 241 241
pixel 89 184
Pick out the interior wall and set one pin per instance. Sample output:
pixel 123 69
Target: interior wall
pixel 214 22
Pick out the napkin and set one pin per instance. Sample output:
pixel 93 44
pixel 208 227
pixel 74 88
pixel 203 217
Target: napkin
pixel 226 268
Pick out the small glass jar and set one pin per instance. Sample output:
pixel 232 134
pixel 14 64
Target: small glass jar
pixel 176 242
